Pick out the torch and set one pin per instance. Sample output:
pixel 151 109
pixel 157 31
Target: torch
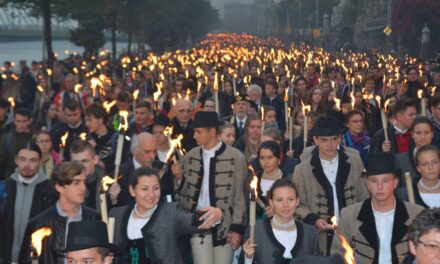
pixel 108 105
pixel 384 120
pixel 290 129
pixel 409 187
pixel 123 126
pixel 217 109
pixel 422 102
pixel 305 110
pixel 37 242
pixel 349 253
pixel 253 206
pixel 12 103
pixel 63 145
pixel 105 184
pixel 49 80
pixel 135 97
pixel 262 120
pixel 175 144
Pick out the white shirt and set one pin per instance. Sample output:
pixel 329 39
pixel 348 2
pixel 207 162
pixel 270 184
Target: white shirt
pixel 27 180
pixel 136 164
pixel 162 155
pixel 431 199
pixel 330 168
pixel 135 225
pixel 265 185
pixel 384 227
pixel 204 199
pixel 241 120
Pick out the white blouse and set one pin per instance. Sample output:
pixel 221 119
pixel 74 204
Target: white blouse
pixel 431 199
pixel 134 227
pixel 265 185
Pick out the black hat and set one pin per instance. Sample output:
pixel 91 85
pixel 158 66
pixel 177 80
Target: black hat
pixel 380 163
pixel 241 97
pixel 206 119
pixel 87 234
pixel 333 259
pixel 326 127
pixel 162 120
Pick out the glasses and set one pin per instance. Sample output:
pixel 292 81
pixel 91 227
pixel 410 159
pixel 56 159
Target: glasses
pixel 428 164
pixel 430 247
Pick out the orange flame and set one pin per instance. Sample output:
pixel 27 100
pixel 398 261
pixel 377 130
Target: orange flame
pixel 188 92
pixel 158 93
pixel 334 222
pixel 40 88
pixel 124 123
pixel 108 105
pixel 37 238
pixel 11 101
pixel 337 102
pixel 378 99
pixel 286 96
pixel 64 138
pixel 386 103
pixel 305 108
pixel 420 94
pixel 106 182
pixel 49 72
pixel 254 182
pixel 175 144
pixel 349 253
pixel 77 87
pixel 352 99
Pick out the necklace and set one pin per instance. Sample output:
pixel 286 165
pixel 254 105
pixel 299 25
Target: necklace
pixel 287 225
pixel 433 188
pixel 147 214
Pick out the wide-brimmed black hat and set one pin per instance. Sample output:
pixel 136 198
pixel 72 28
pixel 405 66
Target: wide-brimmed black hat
pixel 326 127
pixel 241 97
pixel 333 259
pixel 87 234
pixel 162 120
pixel 380 163
pixel 206 119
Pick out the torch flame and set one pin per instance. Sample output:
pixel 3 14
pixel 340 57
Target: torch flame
pixel 420 94
pixel 337 102
pixel 37 238
pixel 188 92
pixel 106 182
pixel 254 182
pixel 378 98
pixel 305 108
pixel 49 72
pixel 108 105
pixel 11 101
pixel 175 144
pixel 124 123
pixel 286 96
pixel 334 222
pixel 216 82
pixel 136 94
pixel 40 88
pixel 78 86
pixel 349 253
pixel 64 138
pixel 352 99
pixel 83 136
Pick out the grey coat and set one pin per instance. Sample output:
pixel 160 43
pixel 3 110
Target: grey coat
pixel 162 234
pixel 270 251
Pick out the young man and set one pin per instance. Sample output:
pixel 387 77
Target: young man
pixel 27 193
pixel 83 152
pixel 70 183
pixel 87 242
pixel 142 122
pixel 399 133
pixel 214 175
pixel 74 126
pixel 11 141
pixel 161 122
pixel 378 226
pixel 424 237
pixel 328 180
pixel 101 137
pixel 272 99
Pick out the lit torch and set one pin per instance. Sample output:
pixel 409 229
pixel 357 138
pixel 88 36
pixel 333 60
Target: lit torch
pixel 63 145
pixel 123 126
pixel 37 242
pixel 305 110
pixel 216 94
pixel 253 203
pixel 108 105
pixel 422 102
pixel 105 185
pixel 12 103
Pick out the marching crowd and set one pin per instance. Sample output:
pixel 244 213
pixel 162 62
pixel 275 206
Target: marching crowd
pixel 238 150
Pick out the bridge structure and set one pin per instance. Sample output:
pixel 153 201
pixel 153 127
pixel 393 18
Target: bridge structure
pixel 19 24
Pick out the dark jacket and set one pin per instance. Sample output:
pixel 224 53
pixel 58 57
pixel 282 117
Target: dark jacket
pixel 44 197
pixel 162 234
pixel 188 141
pixel 379 138
pixel 278 104
pixel 74 134
pixel 402 193
pixel 56 241
pixel 270 251
pixel 9 143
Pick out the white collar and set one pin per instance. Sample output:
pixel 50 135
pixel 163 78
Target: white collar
pixel 27 180
pixel 212 150
pixel 136 164
pixel 401 131
pixel 387 214
pixel 330 162
pixel 241 120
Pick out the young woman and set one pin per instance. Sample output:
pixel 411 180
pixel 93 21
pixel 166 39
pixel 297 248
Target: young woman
pixel 316 101
pixel 49 157
pixel 356 137
pixel 421 135
pixel 281 238
pixel 249 142
pixel 49 118
pixel 427 188
pixel 150 231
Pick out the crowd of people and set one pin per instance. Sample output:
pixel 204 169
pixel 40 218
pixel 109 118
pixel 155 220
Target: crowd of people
pixel 343 147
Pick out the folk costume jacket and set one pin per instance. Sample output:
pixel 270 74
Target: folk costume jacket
pixel 227 175
pixel 316 192
pixel 358 226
